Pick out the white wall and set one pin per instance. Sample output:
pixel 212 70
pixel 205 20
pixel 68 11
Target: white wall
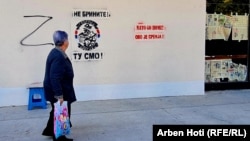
pixel 130 68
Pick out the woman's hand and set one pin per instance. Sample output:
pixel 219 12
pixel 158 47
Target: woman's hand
pixel 60 100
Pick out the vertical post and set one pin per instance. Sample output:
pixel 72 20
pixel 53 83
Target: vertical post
pixel 248 50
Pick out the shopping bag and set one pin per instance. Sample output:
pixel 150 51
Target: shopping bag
pixel 61 119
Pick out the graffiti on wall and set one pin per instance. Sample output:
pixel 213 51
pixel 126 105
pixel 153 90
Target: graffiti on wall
pixel 149 31
pixel 48 18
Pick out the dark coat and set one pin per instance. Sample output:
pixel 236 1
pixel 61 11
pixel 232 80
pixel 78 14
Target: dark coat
pixel 58 79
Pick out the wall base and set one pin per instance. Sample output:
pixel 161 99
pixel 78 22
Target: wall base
pixel 19 96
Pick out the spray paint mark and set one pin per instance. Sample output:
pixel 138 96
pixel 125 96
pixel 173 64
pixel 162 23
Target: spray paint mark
pixel 36 16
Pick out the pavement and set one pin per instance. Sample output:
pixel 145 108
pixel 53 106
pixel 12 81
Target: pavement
pixel 129 119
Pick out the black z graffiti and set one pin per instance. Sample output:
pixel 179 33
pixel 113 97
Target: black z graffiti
pixel 22 41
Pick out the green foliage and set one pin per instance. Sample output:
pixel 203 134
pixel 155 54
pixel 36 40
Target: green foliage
pixel 228 6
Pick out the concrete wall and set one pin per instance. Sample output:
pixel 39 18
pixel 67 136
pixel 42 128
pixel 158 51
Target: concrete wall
pixel 129 67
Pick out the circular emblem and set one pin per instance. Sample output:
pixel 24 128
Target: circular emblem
pixel 86 34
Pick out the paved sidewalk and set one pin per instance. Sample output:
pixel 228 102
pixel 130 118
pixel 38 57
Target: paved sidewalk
pixel 129 119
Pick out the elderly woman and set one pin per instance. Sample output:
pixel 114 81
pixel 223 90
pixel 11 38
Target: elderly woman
pixel 58 80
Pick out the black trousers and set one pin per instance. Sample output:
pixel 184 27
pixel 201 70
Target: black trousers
pixel 50 124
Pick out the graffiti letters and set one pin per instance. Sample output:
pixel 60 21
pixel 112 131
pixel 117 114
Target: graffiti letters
pixel 87 56
pixel 36 16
